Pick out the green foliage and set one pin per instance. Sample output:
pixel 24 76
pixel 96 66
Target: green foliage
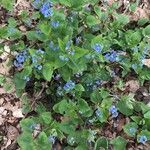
pixel 80 57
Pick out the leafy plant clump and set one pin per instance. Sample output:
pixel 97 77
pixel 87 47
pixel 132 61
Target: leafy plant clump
pixel 76 56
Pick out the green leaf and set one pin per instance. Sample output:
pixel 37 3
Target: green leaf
pixel 8 4
pixel 101 143
pixel 147 115
pixel 143 21
pixel 143 133
pixel 91 21
pixel 46 117
pixel 146 31
pixel 125 105
pixel 119 143
pixel 66 2
pixel 122 19
pixel 130 129
pixel 96 97
pixel 136 119
pixel 84 108
pixel 133 38
pixel 20 83
pixel 42 142
pixel 79 52
pixel 27 124
pixel 103 115
pixel 79 87
pixel 25 141
pixel 47 71
pixel 61 107
pixel 45 28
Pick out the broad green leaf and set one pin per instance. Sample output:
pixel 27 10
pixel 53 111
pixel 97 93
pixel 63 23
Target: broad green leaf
pixel 147 115
pixel 146 31
pixel 143 21
pixel 119 143
pixel 25 141
pixel 8 4
pixel 42 142
pixel 91 21
pixel 84 108
pixel 45 28
pixel 46 117
pixel 130 129
pixel 47 71
pixel 125 105
pixel 79 87
pixel 96 97
pixel 101 143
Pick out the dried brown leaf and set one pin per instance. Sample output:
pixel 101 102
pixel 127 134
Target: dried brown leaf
pixel 133 85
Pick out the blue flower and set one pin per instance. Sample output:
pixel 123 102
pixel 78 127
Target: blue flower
pixel 72 52
pixel 134 66
pixel 113 111
pixel 98 113
pixel 46 9
pixel 98 82
pixel 78 40
pixel 69 86
pixel 26 78
pixel 34 59
pixel 112 56
pixel 39 67
pixel 52 139
pixel 143 139
pixel 63 58
pixel 17 64
pixel 40 51
pixel 97 47
pixel 55 24
pixel 68 45
pixel 20 59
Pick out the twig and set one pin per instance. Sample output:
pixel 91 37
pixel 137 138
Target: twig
pixel 17 3
pixel 36 97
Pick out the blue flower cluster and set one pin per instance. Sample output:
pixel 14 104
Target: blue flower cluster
pixel 78 40
pixel 26 78
pixel 112 56
pixel 37 58
pixel 59 91
pixel 39 67
pixel 94 85
pixel 69 86
pixel 113 111
pixel 143 139
pixel 68 45
pixel 97 47
pixel 53 47
pixel 55 24
pixel 46 9
pixel 20 59
pixel 63 58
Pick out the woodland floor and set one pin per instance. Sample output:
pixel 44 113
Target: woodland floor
pixel 10 106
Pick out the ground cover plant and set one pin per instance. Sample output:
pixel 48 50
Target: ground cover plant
pixel 70 68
